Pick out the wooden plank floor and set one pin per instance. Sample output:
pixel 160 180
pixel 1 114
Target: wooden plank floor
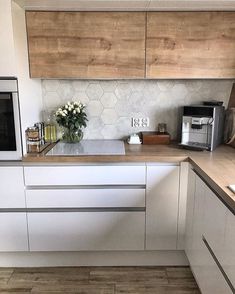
pixel 98 280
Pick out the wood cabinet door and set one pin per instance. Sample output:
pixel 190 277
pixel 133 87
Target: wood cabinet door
pixel 86 44
pixel 190 45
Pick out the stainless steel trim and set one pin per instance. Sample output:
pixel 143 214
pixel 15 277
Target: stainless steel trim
pixel 8 85
pixel 218 264
pixel 72 209
pixel 80 187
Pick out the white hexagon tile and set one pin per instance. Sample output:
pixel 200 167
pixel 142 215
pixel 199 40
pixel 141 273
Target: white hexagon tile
pixel 112 103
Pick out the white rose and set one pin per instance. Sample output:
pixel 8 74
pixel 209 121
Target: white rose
pixel 70 109
pixel 63 114
pixel 78 110
pixel 74 111
pixel 66 106
pixel 65 111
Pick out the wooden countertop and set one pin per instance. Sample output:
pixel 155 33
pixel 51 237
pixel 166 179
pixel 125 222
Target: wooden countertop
pixel 217 168
pixel 133 153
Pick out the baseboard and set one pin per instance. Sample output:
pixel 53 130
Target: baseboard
pixel 117 258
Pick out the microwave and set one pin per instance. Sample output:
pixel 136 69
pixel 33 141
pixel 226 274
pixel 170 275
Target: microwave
pixel 10 129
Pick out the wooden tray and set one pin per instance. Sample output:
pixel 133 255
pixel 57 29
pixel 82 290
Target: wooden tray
pixel 155 138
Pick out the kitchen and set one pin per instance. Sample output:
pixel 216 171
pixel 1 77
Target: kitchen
pixel 106 214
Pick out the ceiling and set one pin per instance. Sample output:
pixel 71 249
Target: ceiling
pixel 128 5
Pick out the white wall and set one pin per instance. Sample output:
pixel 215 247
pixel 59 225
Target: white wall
pixel 7 53
pixel 30 93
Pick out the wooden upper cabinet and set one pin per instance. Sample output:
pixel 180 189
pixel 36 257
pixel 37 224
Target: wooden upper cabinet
pixel 190 45
pixel 86 44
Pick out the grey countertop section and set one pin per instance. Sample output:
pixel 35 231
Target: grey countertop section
pixel 88 147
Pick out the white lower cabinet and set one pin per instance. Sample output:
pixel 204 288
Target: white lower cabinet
pixel 209 277
pixel 198 225
pixel 189 214
pixel 228 261
pixel 212 261
pixel 13 231
pixel 81 198
pixel 215 223
pixel 12 187
pixel 162 197
pixel 13 225
pixel 83 231
pixel 84 175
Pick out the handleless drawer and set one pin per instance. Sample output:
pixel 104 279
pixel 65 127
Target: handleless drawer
pixel 96 231
pixel 84 175
pixel 85 198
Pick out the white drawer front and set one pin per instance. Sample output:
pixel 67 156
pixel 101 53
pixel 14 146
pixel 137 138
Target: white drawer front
pixel 12 187
pixel 13 232
pixel 75 231
pixel 228 262
pixel 85 198
pixel 209 276
pixel 84 175
pixel 215 223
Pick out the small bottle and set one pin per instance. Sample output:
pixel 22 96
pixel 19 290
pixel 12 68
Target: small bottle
pixel 50 133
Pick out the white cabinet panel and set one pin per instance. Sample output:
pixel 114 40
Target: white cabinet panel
pixel 85 198
pixel 210 278
pixel 12 187
pixel 84 175
pixel 228 262
pixel 198 225
pixel 162 207
pixel 13 232
pixel 189 214
pixel 7 48
pixel 74 231
pixel 215 222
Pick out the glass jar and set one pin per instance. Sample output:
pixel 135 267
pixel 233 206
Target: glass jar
pixel 50 132
pixel 71 135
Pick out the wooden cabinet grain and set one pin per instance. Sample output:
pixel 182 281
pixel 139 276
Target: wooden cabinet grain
pixel 86 44
pixel 190 45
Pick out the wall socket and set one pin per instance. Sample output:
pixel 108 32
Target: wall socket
pixel 140 122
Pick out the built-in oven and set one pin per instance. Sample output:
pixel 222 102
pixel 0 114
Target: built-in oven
pixel 10 130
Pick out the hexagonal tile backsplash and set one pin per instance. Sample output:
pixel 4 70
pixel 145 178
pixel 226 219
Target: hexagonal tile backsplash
pixel 112 104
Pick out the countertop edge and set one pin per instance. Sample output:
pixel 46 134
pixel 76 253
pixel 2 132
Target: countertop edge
pixel 221 193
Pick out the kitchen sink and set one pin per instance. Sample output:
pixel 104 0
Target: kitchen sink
pixel 88 147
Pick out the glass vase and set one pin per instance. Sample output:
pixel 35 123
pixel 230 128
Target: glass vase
pixel 72 135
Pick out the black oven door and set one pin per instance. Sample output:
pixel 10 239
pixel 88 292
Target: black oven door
pixel 7 123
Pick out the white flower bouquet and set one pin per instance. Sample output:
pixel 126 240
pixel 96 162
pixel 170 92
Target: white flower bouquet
pixel 73 118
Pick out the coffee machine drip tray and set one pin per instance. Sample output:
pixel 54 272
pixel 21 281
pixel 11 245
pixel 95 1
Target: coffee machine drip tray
pixel 195 146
